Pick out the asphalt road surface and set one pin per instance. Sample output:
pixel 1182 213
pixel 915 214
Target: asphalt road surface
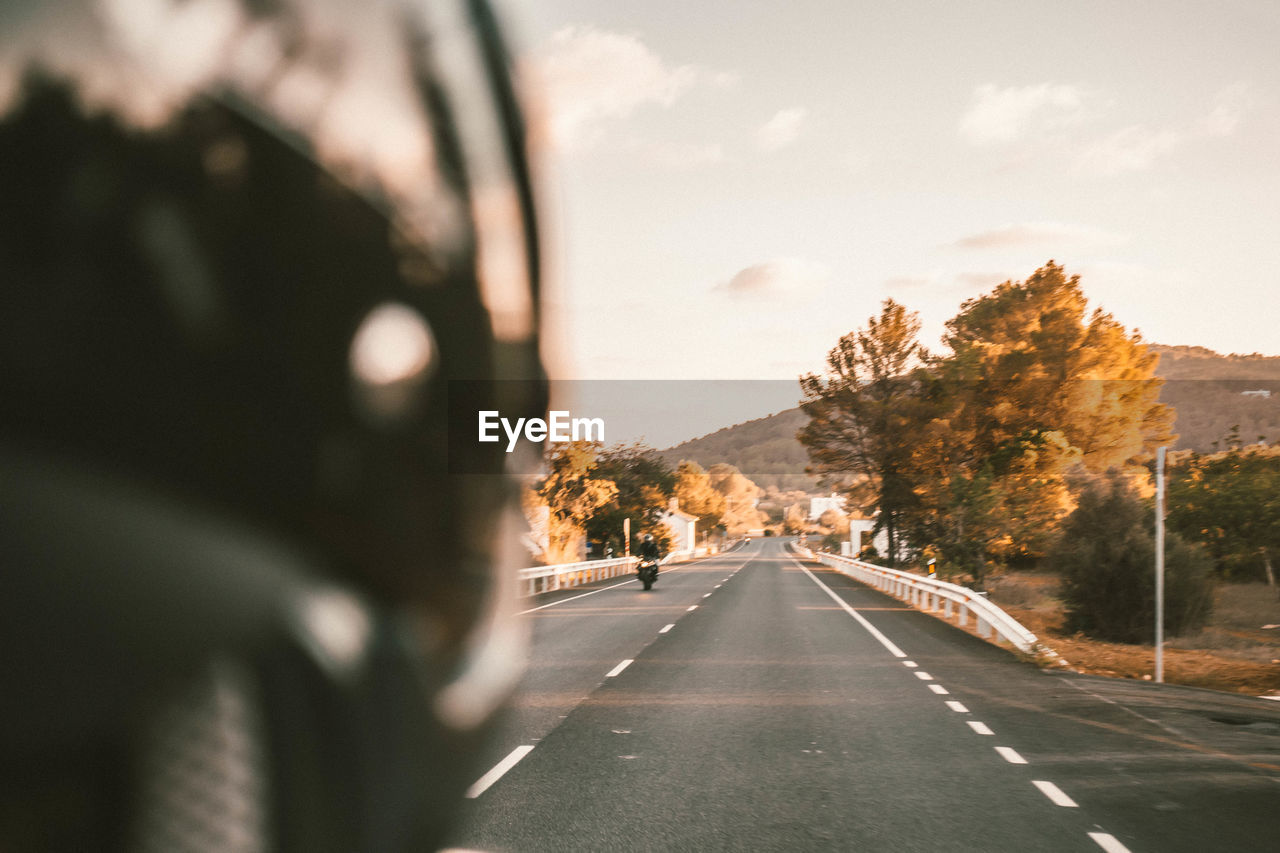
pixel 739 706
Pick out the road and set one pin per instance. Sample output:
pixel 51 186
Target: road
pixel 739 706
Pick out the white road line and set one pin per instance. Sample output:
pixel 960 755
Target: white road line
pixel 482 784
pixel 910 663
pixel 980 728
pixel 620 667
pixel 1108 842
pixel 694 607
pixel 923 676
pixel 1055 794
pixel 939 689
pixel 708 595
pixel 957 707
pixel 667 628
pixel 871 629
pixel 1010 755
pixel 602 589
pixel 576 597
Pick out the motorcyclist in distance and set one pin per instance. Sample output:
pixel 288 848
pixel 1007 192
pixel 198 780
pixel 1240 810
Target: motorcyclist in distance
pixel 649 549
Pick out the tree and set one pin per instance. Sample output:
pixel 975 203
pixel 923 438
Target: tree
pixel 795 520
pixel 698 497
pixel 834 521
pixel 864 414
pixel 1029 391
pixel 1230 502
pixel 645 484
pixel 572 493
pixel 1106 557
pixel 740 499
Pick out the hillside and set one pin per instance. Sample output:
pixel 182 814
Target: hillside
pixel 765 449
pixel 1207 391
pixel 1206 388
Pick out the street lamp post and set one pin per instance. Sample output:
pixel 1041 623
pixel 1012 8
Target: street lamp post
pixel 1160 564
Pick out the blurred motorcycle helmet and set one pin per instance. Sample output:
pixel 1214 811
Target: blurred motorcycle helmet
pixel 253 597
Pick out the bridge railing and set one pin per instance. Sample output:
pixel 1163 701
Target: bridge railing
pixel 952 600
pixel 566 575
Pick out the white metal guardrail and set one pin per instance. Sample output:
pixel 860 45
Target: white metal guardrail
pixel 952 600
pixel 566 575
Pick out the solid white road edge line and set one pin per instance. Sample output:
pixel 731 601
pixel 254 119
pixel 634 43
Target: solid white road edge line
pixel 620 667
pixel 482 784
pixel 1010 755
pixel 602 589
pixel 1108 842
pixel 979 727
pixel 1055 794
pixel 871 629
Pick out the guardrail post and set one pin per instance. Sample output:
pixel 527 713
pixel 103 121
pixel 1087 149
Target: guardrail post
pixel 984 628
pixel 946 608
pixel 963 616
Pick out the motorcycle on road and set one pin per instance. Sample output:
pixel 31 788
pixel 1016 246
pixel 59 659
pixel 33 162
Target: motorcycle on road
pixel 647 570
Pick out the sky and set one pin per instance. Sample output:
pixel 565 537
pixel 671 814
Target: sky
pixel 734 184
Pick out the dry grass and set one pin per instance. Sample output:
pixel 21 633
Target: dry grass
pixel 1234 652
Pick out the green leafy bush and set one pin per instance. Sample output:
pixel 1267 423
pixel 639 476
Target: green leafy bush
pixel 1106 559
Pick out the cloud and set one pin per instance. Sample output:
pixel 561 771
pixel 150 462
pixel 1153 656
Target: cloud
pixel 999 116
pixel 591 76
pixel 779 277
pixel 1132 149
pixel 1229 107
pixel 1033 234
pixel 781 130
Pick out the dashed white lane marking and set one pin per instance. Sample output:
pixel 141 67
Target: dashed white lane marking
pixel 708 595
pixel 1108 842
pixel 666 628
pixel 923 676
pixel 910 663
pixel 1055 794
pixel 939 689
pixel 957 707
pixel 1010 755
pixel 620 667
pixel 694 607
pixel 720 584
pixel 980 728
pixel 871 629
pixel 499 770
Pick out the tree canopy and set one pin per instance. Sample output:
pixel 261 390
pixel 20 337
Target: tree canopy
pixel 968 451
pixel 1230 501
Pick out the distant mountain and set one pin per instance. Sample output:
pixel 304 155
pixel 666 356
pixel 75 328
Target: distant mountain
pixel 1211 392
pixel 765 449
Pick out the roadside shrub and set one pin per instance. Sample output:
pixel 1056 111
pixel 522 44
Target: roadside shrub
pixel 1105 556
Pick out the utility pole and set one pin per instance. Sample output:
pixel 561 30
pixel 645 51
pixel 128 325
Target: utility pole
pixel 1160 565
